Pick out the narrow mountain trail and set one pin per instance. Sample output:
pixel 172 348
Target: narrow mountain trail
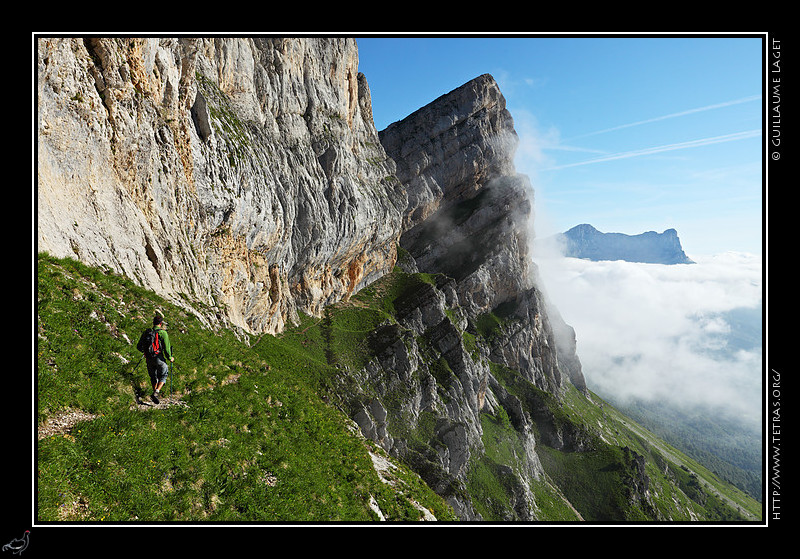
pixel 62 423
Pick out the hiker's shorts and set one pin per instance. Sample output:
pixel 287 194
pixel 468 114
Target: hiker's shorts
pixel 158 370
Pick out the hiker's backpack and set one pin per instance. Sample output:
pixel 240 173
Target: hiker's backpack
pixel 149 343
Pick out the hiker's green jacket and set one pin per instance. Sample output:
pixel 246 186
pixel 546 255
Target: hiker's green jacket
pixel 166 348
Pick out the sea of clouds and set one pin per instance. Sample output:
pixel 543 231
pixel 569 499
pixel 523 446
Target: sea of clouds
pixel 686 334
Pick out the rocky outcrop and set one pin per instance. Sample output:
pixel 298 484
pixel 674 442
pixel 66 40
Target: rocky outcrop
pixel 469 217
pixel 447 151
pixel 423 380
pixel 433 377
pixel 244 175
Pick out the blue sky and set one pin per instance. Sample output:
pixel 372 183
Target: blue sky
pixel 628 134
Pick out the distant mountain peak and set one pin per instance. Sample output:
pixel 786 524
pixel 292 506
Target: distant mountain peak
pixel 585 241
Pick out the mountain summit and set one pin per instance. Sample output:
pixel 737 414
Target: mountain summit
pixel 584 241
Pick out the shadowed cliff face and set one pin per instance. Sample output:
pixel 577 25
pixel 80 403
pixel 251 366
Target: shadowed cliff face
pixel 447 151
pixel 435 371
pixel 469 217
pixel 243 173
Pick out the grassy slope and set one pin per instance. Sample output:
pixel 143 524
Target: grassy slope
pixel 255 439
pixel 597 482
pixel 250 441
pixel 680 488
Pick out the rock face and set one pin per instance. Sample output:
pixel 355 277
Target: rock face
pixel 468 223
pixel 469 217
pixel 242 173
pixel 584 241
pixel 245 177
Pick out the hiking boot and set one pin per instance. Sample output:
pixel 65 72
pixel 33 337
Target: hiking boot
pixel 154 397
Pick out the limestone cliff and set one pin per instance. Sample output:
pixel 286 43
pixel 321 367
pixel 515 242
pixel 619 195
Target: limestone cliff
pixel 446 362
pixel 243 174
pixel 470 217
pixel 245 178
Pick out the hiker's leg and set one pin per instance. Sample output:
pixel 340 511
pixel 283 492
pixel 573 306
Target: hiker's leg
pixel 151 370
pixel 162 370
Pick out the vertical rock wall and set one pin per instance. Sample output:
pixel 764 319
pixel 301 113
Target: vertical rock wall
pixel 469 217
pixel 243 174
pixel 468 224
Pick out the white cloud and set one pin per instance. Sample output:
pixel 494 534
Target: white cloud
pixel 656 331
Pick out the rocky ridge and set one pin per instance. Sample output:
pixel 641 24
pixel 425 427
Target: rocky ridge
pixel 468 225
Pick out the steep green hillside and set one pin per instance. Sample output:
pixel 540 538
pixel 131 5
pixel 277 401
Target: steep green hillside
pixel 680 487
pixel 245 435
pixel 252 430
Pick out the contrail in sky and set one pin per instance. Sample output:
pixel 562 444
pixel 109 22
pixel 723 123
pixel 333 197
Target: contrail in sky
pixel 673 115
pixel 661 149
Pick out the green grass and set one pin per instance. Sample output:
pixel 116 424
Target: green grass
pixel 597 479
pixel 680 486
pixel 592 481
pixel 492 487
pixel 252 439
pixel 487 481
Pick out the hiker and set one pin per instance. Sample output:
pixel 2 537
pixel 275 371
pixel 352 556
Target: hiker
pixel 157 365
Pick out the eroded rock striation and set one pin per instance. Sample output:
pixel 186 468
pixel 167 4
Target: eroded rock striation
pixel 470 217
pixel 462 337
pixel 245 174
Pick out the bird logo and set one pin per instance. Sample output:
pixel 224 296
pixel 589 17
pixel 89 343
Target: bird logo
pixel 18 545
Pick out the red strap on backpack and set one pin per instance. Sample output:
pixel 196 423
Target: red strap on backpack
pixel 156 344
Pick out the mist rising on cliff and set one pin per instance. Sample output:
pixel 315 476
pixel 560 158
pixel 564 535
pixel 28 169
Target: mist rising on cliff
pixel 687 335
pixel 681 334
